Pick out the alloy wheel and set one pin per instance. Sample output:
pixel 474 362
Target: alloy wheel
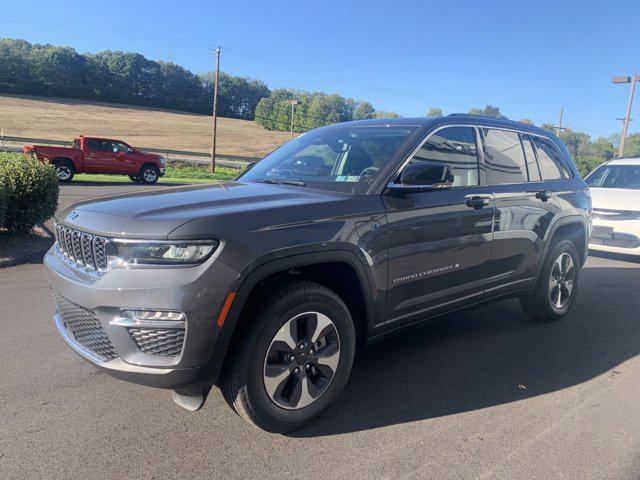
pixel 63 172
pixel 301 361
pixel 149 175
pixel 561 280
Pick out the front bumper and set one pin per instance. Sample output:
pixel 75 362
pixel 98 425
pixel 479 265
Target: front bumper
pixel 616 236
pixel 95 301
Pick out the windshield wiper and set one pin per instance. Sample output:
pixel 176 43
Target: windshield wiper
pixel 280 181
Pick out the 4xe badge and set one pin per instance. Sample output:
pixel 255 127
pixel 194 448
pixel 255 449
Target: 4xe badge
pixel 73 215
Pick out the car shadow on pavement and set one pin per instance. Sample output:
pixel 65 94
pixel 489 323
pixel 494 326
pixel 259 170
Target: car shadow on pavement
pixel 490 356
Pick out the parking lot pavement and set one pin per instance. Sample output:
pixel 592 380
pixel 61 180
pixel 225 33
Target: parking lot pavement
pixel 480 394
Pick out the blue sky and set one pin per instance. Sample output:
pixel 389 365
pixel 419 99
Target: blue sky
pixel 529 58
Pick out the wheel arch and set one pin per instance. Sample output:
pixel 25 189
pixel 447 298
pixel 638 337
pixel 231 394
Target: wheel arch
pixel 58 160
pixel 148 164
pixel 314 266
pixel 573 228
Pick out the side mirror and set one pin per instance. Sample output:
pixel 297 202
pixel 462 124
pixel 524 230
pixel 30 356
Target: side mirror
pixel 423 177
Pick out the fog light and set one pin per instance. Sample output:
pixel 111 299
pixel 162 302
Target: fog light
pixel 150 319
pixel 153 315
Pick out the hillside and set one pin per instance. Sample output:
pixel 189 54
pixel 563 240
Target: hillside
pixel 63 119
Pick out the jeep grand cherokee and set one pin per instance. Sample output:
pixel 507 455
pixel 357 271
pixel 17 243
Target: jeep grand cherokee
pixel 265 285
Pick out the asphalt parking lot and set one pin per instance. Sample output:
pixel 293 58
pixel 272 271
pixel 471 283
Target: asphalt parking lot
pixel 481 394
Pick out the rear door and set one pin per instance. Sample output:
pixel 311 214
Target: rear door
pixel 99 157
pixel 439 241
pixel 525 204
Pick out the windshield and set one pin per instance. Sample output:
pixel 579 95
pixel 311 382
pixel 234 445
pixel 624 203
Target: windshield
pixel 615 176
pixel 344 159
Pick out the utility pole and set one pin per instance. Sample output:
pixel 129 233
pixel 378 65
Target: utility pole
pixel 293 115
pixel 215 110
pixel 559 127
pixel 625 125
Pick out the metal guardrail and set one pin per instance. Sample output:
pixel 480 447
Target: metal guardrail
pixel 232 161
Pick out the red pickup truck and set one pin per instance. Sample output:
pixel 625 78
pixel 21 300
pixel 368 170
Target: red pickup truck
pixel 101 155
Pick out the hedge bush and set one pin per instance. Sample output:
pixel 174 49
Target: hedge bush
pixel 30 189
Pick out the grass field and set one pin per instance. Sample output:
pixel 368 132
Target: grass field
pixel 63 119
pixel 176 172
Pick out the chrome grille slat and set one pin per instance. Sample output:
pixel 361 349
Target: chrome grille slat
pixel 76 247
pixel 86 242
pixel 85 249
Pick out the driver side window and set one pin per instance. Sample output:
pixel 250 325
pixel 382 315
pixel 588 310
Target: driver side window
pixel 455 146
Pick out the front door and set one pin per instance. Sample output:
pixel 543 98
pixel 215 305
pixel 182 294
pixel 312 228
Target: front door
pixel 440 241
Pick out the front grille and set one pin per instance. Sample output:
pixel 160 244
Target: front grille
pixel 84 249
pixel 84 327
pixel 619 240
pixel 158 341
pixel 606 214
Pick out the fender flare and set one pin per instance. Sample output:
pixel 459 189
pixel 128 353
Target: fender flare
pixel 557 224
pixel 248 282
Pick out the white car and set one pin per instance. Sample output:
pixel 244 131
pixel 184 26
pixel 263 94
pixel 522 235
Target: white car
pixel 615 193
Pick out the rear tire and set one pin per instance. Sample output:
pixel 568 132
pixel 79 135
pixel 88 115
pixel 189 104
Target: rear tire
pixel 149 174
pixel 64 171
pixel 557 284
pixel 294 359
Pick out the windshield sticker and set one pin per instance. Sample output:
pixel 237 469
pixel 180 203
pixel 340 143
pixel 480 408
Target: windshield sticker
pixel 348 178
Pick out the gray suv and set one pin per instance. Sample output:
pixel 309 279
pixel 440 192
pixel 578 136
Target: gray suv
pixel 350 233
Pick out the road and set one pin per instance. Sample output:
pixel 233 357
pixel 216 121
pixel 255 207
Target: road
pixel 481 394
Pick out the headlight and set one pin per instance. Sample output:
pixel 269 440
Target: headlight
pixel 126 253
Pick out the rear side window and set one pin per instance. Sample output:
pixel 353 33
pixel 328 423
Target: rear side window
pixel 504 158
pixel 530 157
pixel 455 146
pixel 550 159
pixel 93 144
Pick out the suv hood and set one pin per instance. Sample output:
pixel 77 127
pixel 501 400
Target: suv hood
pixel 615 198
pixel 156 214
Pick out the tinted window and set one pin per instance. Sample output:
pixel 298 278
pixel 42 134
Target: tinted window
pixel 504 158
pixel 100 145
pixel 550 160
pixel 615 176
pixel 530 158
pixel 455 146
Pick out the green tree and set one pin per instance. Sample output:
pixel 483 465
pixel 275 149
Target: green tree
pixel 434 112
pixel 632 145
pixel 488 111
pixel 526 121
pixel 363 111
pixel 387 114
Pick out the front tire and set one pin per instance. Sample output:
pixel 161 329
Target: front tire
pixel 149 174
pixel 294 359
pixel 557 284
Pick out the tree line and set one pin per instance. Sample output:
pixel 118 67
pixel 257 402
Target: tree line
pixel 312 110
pixel 121 77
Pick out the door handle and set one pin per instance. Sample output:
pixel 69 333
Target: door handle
pixel 477 202
pixel 543 195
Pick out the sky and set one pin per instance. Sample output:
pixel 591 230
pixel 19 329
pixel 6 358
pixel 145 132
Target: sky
pixel 530 58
